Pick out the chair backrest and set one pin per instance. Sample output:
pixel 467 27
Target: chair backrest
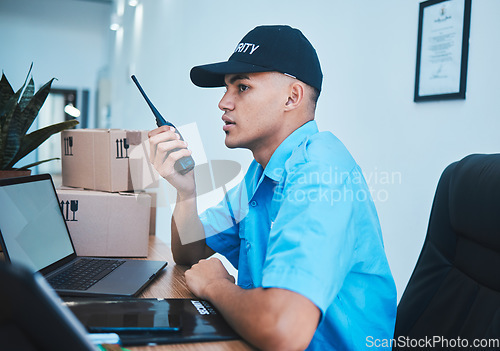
pixel 32 317
pixel 454 291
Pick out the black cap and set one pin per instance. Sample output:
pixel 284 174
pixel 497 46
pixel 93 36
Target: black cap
pixel 266 49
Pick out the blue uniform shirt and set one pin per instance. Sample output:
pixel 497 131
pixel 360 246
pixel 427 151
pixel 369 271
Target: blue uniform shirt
pixel 307 223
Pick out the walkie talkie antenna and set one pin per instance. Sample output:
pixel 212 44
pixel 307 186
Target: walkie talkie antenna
pixel 160 121
pixel 186 163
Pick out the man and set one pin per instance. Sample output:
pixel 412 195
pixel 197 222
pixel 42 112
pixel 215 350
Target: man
pixel 301 228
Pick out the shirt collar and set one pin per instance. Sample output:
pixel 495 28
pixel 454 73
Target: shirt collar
pixel 276 165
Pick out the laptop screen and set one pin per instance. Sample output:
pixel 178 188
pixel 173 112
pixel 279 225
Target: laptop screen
pixel 31 224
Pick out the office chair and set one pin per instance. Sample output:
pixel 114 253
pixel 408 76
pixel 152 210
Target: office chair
pixel 454 291
pixel 32 317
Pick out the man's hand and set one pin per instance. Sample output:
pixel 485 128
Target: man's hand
pixel 204 273
pixel 162 141
pixel 185 220
pixel 270 319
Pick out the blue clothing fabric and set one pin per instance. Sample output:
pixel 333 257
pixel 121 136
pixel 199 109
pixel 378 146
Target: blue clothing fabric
pixel 307 223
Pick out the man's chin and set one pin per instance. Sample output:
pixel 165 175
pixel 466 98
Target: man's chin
pixel 231 144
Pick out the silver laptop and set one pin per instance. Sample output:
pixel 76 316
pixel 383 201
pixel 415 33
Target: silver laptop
pixel 33 233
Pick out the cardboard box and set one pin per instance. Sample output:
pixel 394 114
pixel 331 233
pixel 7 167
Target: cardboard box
pixel 106 159
pixel 107 224
pixel 152 216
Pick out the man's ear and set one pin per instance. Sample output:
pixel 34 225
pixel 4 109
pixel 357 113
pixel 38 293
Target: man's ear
pixel 295 96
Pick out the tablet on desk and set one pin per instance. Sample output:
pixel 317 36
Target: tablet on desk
pixel 125 316
pixel 142 321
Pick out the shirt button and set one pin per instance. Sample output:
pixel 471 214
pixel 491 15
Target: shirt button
pixel 253 203
pixel 248 245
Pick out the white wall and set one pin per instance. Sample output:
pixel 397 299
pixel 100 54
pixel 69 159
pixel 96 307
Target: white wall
pixel 65 39
pixel 367 50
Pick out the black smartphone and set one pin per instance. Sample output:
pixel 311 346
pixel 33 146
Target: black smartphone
pixel 186 163
pixel 115 322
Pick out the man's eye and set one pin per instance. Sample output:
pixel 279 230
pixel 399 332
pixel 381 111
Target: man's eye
pixel 242 87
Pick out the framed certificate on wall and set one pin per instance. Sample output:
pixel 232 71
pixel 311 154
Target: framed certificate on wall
pixel 442 50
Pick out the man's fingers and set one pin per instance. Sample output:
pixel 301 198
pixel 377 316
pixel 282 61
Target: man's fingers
pixel 158 136
pixel 159 130
pixel 173 157
pixel 166 160
pixel 167 147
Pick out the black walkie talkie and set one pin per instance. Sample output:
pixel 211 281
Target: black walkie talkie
pixel 186 163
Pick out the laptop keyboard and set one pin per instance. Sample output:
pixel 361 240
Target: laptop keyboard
pixel 84 273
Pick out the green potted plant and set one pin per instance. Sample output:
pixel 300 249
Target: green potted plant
pixel 18 110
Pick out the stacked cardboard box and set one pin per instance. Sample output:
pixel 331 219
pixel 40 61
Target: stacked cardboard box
pixel 104 175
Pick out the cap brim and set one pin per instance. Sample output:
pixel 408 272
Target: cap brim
pixel 212 75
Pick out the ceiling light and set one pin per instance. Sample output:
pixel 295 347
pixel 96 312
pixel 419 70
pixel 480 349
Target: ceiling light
pixel 115 22
pixel 133 3
pixel 72 110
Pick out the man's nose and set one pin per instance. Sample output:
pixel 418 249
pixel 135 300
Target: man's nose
pixel 226 103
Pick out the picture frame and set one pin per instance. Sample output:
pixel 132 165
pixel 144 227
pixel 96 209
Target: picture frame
pixel 442 50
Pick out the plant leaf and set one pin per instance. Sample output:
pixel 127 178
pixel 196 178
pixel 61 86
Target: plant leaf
pixel 20 122
pixel 7 152
pixel 7 108
pixel 29 113
pixel 9 142
pixel 31 141
pixel 6 93
pixel 13 136
pixel 27 95
pixel 37 163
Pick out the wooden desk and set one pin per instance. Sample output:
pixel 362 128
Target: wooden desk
pixel 171 284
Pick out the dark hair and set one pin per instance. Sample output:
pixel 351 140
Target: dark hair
pixel 314 95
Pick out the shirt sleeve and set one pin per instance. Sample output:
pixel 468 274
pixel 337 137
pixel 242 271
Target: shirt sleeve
pixel 312 241
pixel 221 226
